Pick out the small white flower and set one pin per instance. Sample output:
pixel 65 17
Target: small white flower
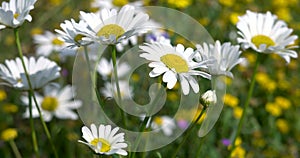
pixel 71 36
pixel 174 63
pixel 110 88
pixel 14 13
pixel 265 34
pixel 55 102
pixel 105 68
pixel 226 56
pixel 40 71
pixel 209 97
pixel 164 123
pixel 111 26
pixel 48 43
pixel 104 140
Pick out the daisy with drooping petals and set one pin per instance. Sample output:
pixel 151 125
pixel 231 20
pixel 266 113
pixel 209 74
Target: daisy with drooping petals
pixel 14 13
pixel 265 34
pixel 111 26
pixel 104 140
pixel 174 63
pixel 55 102
pixel 40 71
pixel 71 36
pixel 226 56
pixel 48 43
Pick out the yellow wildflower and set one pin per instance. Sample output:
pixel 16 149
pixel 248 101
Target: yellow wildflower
pixel 270 86
pixel 9 134
pixel 227 3
pixel 204 21
pixel 237 112
pixel 179 4
pixel 282 125
pixel 234 17
pixel 273 109
pixel 55 2
pixel 173 96
pixel 250 57
pixel 36 31
pixel 231 100
pixel 284 14
pixel 261 78
pixel 238 152
pixel 10 108
pixel 2 95
pixel 283 102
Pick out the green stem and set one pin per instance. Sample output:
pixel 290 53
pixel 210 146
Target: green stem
pixel 15 148
pixel 93 77
pixel 33 134
pixel 18 43
pixel 87 60
pixel 114 59
pixel 189 131
pixel 144 123
pixel 250 92
pixel 200 146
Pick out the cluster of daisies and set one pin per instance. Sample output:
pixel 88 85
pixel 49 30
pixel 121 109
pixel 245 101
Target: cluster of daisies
pixel 262 32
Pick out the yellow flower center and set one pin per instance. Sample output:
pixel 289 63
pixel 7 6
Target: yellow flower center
pixel 158 120
pixel 19 80
pixel 262 39
pixel 119 3
pixel 176 62
pixel 57 41
pixel 111 29
pixel 16 15
pixel 78 38
pixel 49 103
pixel 105 144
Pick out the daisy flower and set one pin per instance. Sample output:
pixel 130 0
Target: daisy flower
pixel 164 123
pixel 226 56
pixel 48 43
pixel 110 88
pixel 264 33
pixel 40 71
pixel 55 102
pixel 104 140
pixel 105 68
pixel 14 13
pixel 174 63
pixel 111 26
pixel 71 36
